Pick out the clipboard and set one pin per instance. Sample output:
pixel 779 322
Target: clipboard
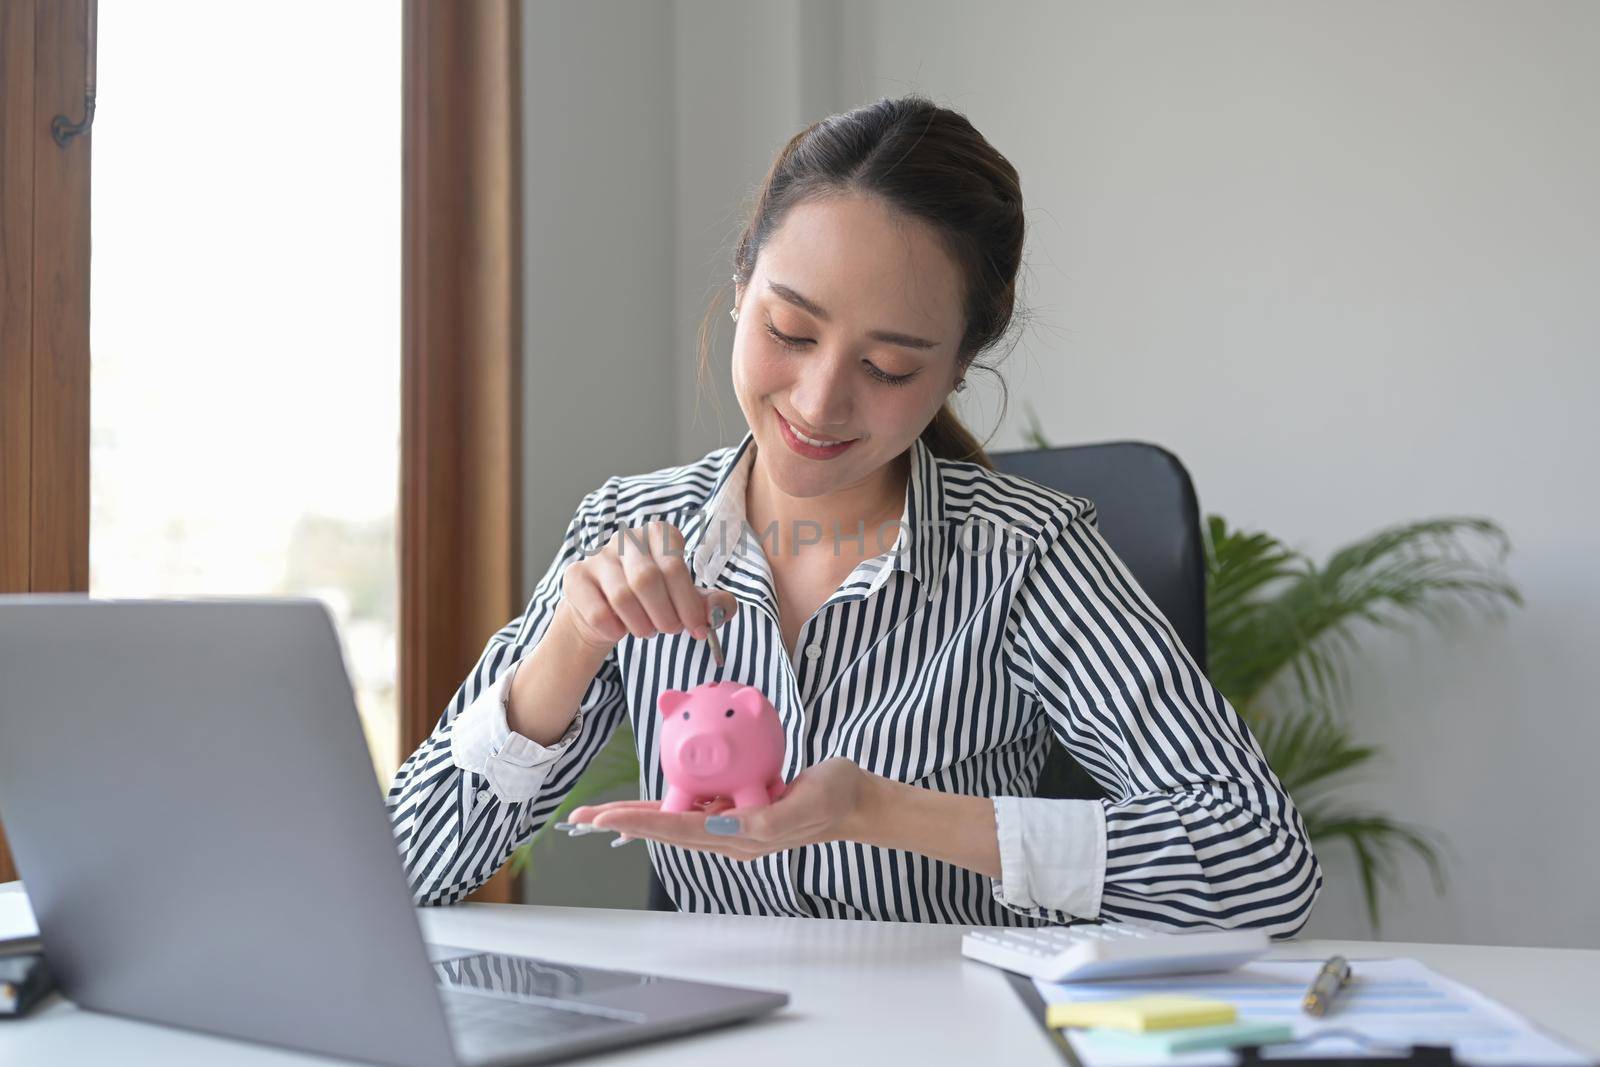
pixel 1029 994
pixel 1249 1055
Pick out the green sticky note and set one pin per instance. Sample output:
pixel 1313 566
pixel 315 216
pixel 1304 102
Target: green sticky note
pixel 1191 1039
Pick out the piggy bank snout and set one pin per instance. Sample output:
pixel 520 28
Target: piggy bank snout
pixel 705 754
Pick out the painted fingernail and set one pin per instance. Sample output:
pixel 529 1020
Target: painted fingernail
pixel 581 829
pixel 565 825
pixel 722 824
pixel 717 615
pixel 623 840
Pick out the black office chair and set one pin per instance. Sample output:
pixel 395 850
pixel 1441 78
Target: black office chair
pixel 1149 516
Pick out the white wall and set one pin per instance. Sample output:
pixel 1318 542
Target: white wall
pixel 599 306
pixel 1335 256
pixel 748 76
pixel 598 224
pixel 1343 259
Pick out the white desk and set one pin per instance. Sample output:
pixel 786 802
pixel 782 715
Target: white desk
pixel 860 992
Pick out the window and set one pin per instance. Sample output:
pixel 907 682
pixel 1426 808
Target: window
pixel 245 324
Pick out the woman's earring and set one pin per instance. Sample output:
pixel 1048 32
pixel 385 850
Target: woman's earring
pixel 733 313
pixel 961 383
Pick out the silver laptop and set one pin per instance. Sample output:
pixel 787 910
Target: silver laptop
pixel 193 810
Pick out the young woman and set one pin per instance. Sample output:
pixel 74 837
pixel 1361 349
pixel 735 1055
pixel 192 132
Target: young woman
pixel 922 624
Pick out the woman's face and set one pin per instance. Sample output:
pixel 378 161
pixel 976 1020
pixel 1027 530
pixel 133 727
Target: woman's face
pixel 863 273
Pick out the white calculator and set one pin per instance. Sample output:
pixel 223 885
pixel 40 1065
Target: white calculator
pixel 1090 951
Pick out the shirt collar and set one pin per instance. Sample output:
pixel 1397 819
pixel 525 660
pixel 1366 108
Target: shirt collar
pixel 713 534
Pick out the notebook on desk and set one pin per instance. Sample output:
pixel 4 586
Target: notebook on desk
pixel 19 932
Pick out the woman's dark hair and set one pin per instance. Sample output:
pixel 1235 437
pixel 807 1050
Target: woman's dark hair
pixel 922 162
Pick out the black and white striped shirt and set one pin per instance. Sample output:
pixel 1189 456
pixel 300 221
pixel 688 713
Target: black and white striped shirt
pixel 997 618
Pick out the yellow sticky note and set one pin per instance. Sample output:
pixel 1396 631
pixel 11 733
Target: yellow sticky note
pixel 1142 1014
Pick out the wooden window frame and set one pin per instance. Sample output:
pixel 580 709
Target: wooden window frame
pixel 461 382
pixel 45 67
pixel 459 527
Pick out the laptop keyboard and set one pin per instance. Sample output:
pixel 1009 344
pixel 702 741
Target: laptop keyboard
pixel 475 1016
pixel 496 1004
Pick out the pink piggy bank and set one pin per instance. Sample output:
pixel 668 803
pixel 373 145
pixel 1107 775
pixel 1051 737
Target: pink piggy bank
pixel 720 739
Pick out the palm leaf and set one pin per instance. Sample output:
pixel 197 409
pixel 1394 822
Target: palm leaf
pixel 1305 631
pixel 1243 637
pixel 1419 570
pixel 1315 756
pixel 1035 433
pixel 1377 841
pixel 1311 752
pixel 1282 634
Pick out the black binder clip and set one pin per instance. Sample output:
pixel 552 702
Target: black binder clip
pixel 25 980
pixel 1428 1055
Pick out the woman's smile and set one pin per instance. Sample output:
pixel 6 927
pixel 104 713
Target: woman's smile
pixel 809 447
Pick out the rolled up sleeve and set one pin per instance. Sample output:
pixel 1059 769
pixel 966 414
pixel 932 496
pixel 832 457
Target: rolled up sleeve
pixel 482 742
pixel 1052 856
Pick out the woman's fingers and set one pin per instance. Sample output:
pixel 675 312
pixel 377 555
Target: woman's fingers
pixel 652 573
pixel 613 582
pixel 641 583
pixel 590 612
pixel 649 587
pixel 689 601
pixel 587 812
pixel 685 830
pixel 651 558
pixel 726 600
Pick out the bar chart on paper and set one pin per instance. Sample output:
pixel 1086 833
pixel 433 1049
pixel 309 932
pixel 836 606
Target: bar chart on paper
pixel 1388 1003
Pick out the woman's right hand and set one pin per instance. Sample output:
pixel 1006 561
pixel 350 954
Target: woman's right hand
pixel 638 584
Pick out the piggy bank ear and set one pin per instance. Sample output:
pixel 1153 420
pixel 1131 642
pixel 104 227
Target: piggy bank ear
pixel 670 701
pixel 748 698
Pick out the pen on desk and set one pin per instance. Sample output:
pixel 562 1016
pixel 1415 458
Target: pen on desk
pixel 1334 976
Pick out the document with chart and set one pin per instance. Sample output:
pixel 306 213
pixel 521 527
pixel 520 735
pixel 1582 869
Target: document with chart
pixel 1389 1002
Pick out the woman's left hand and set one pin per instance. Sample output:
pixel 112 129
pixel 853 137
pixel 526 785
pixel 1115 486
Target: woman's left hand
pixel 823 803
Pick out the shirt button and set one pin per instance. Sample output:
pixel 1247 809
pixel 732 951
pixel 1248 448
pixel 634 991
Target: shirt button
pixel 483 796
pixel 813 651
